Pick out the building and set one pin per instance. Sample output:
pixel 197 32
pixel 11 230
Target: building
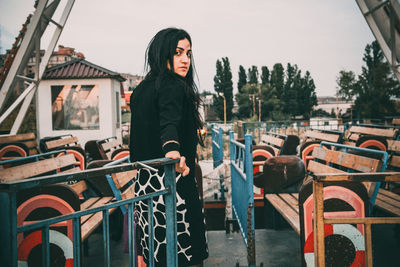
pixel 129 85
pixel 131 81
pixel 82 99
pixel 62 55
pixel 339 105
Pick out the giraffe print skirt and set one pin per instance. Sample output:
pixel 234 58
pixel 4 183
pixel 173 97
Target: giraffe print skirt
pixel 192 244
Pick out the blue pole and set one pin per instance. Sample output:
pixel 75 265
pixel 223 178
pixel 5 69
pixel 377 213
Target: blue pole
pixel 213 147
pixel 221 160
pixel 170 208
pixel 249 180
pixel 8 220
pixel 232 152
pixel 221 145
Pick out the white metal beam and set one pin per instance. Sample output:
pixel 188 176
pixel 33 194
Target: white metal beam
pixel 382 24
pixel 22 55
pixel 39 22
pixel 43 64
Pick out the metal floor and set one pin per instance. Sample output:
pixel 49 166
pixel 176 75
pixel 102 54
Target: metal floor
pixel 273 248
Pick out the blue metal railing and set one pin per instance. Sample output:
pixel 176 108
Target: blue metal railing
pixel 241 161
pixel 10 230
pixel 217 145
pixel 111 183
pixel 217 137
pixel 32 158
pixel 384 158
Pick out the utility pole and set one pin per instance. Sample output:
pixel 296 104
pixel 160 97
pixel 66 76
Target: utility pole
pixel 223 96
pixel 253 97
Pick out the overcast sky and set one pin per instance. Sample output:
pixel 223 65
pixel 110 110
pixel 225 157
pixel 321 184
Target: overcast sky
pixel 322 37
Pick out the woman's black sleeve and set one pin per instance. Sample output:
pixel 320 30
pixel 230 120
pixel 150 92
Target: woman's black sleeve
pixel 170 104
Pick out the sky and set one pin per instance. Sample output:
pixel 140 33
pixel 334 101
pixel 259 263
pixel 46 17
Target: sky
pixel 322 37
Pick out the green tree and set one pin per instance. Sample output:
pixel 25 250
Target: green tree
pixel 346 82
pixel 218 87
pixel 253 75
pixel 270 104
pixel 277 78
pixel 374 87
pixel 264 75
pixel 306 95
pixel 242 78
pixel 244 102
pixel 228 88
pixel 333 113
pixel 223 84
pixel 290 88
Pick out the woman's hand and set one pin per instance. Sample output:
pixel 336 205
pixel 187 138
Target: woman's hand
pixel 180 166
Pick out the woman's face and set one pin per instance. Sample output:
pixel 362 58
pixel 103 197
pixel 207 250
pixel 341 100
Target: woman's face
pixel 182 57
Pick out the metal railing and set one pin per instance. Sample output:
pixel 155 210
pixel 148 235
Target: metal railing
pixel 10 229
pixel 217 137
pixel 217 145
pixel 241 162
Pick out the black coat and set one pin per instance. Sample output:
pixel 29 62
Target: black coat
pixel 160 114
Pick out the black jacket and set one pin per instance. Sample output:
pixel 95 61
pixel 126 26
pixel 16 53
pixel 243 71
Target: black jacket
pixel 161 112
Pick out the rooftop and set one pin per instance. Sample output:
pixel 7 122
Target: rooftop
pixel 80 69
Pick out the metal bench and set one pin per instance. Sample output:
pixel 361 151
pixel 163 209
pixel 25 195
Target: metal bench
pixel 361 135
pixel 312 139
pixel 19 145
pixel 388 199
pixel 346 200
pixel 69 143
pixel 111 148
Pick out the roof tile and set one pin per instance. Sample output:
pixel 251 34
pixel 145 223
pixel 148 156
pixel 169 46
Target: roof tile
pixel 80 68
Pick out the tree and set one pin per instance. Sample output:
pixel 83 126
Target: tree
pixel 228 88
pixel 218 80
pixel 223 84
pixel 264 75
pixel 242 78
pixel 270 104
pixel 253 75
pixel 374 87
pixel 306 95
pixel 277 78
pixel 346 83
pixel 289 94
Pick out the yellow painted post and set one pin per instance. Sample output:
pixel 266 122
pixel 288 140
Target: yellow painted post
pixel 319 234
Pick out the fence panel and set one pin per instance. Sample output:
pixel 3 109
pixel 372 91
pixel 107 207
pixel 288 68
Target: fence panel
pixel 242 191
pixel 217 145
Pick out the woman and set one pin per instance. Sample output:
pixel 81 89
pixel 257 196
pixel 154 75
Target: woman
pixel 165 123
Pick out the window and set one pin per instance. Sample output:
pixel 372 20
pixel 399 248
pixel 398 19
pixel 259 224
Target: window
pixel 75 107
pixel 117 106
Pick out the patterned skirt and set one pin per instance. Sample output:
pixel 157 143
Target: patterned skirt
pixel 192 244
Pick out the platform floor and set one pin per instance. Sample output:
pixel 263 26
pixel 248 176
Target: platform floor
pixel 275 248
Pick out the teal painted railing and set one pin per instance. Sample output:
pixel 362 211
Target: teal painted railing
pixel 10 230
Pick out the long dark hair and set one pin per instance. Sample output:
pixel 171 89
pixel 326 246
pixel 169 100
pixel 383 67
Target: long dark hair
pixel 161 50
